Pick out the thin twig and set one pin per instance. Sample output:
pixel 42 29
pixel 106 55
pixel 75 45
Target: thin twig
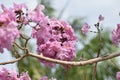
pixel 19 46
pixel 99 50
pixel 16 54
pixel 26 42
pixel 13 61
pixel 23 36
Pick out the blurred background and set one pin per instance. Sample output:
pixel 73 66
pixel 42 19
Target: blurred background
pixel 76 12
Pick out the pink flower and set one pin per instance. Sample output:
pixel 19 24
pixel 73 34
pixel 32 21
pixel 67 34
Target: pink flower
pixel 118 75
pixel 8 28
pixel 85 28
pixel 6 74
pixel 37 15
pixel 21 13
pixel 25 76
pixel 18 7
pixel 56 40
pixel 44 78
pixel 7 15
pixel 116 35
pixel 67 51
pixel 101 18
pixel 8 36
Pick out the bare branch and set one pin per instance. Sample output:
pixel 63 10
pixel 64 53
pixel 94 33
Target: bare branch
pixel 19 46
pixel 13 61
pixel 72 63
pixel 77 63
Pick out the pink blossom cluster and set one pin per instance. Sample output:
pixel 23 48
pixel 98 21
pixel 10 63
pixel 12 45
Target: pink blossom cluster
pixel 118 75
pixel 6 74
pixel 116 35
pixel 55 38
pixel 10 19
pixel 46 78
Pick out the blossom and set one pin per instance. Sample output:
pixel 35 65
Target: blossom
pixel 25 76
pixel 118 75
pixel 67 52
pixel 6 74
pixel 85 28
pixel 101 18
pixel 7 15
pixel 8 28
pixel 44 78
pixel 37 14
pixel 18 7
pixel 10 18
pixel 21 13
pixel 116 35
pixel 56 40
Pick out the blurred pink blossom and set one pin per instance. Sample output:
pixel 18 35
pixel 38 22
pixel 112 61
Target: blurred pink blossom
pixel 85 28
pixel 116 35
pixel 101 18
pixel 6 74
pixel 118 75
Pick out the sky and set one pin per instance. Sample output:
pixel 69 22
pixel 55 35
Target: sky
pixel 90 9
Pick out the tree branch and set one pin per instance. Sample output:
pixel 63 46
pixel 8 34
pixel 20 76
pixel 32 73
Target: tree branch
pixel 13 61
pixel 72 63
pixel 77 63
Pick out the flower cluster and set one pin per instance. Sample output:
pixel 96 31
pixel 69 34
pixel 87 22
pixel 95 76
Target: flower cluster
pixel 118 75
pixel 10 19
pixel 13 75
pixel 55 38
pixel 116 35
